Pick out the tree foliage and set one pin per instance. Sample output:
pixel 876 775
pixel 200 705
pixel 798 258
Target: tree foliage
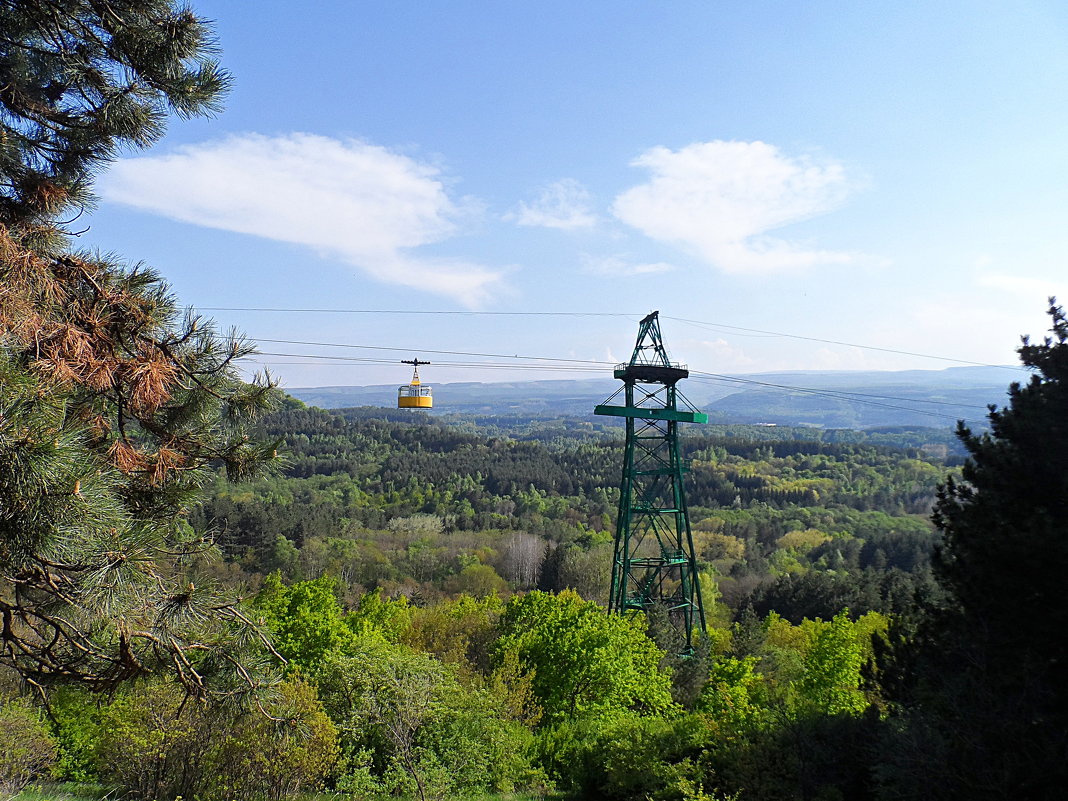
pixel 1012 508
pixel 423 508
pixel 582 660
pixel 154 742
pixel 979 687
pixel 115 406
pixel 306 620
pixel 27 750
pixel 81 79
pixel 409 726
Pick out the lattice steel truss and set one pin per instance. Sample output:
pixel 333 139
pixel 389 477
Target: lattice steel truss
pixel 653 561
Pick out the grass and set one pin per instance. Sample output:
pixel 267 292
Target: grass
pixel 62 792
pixel 478 797
pixel 96 792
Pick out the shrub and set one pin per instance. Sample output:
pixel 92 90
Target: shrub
pixel 410 727
pixel 156 743
pixel 625 756
pixel 75 714
pixel 27 750
pixel 273 759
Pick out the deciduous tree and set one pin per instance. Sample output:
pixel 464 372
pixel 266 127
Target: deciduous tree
pixel 583 660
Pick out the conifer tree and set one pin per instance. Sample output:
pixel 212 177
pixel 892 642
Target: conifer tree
pixel 116 407
pixel 1004 557
pixel 983 705
pixel 80 79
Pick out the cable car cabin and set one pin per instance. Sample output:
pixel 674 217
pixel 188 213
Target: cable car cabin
pixel 415 395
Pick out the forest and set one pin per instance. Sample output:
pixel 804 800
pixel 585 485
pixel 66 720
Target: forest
pixel 434 599
pixel 210 591
pixel 418 508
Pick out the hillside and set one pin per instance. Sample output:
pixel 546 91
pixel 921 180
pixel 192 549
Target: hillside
pixel 421 507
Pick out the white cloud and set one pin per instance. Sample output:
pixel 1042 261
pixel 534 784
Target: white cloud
pixel 619 266
pixel 719 199
pixel 348 199
pixel 563 204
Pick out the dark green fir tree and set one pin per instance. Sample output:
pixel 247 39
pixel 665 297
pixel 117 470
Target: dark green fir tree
pixel 116 407
pixel 983 700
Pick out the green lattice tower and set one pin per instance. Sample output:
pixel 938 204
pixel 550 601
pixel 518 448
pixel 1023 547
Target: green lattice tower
pixel 654 561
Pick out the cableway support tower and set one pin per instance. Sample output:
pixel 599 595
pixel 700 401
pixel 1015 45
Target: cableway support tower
pixel 653 560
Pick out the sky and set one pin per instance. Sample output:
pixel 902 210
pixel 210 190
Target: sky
pixel 794 186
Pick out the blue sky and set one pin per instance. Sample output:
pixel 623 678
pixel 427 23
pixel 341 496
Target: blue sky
pixel 886 175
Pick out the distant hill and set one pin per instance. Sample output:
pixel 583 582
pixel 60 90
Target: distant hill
pixel 867 399
pixel 521 397
pixel 824 399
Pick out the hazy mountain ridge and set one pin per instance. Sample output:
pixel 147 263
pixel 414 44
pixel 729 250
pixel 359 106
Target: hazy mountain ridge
pixel 828 399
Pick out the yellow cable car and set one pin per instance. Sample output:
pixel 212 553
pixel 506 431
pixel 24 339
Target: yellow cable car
pixel 414 395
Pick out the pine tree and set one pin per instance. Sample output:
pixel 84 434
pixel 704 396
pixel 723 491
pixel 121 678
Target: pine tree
pixel 1004 556
pixel 116 407
pixel 983 709
pixel 80 79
